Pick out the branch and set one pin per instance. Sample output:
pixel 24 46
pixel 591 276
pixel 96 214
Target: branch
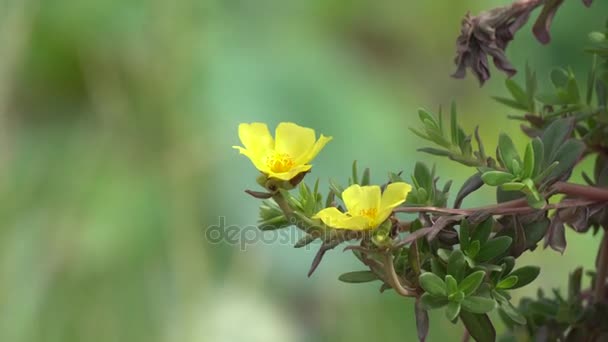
pixel 602 270
pixel 393 279
pixel 587 194
pixel 505 205
pixel 583 191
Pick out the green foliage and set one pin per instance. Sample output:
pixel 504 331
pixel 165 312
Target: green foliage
pixel 493 248
pixel 479 326
pixel 358 277
pixel 425 190
pixel 464 260
pixel 524 276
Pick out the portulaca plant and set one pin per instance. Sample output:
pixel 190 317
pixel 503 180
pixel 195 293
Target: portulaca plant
pixel 464 260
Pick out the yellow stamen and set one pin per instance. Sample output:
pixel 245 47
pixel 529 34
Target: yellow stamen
pixel 371 212
pixel 279 162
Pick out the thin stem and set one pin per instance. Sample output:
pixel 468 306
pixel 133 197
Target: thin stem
pixel 282 202
pixel 583 191
pixel 393 279
pixel 510 204
pixel 602 270
pixel 506 208
pixel 589 193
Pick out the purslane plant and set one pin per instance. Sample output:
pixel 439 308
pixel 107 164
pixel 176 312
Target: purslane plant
pixel 463 260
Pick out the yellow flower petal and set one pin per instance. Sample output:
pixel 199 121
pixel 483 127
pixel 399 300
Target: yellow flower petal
pixel 283 157
pixel 258 162
pixel 288 174
pixel 337 219
pixel 256 138
pixel 294 140
pixel 393 195
pixel 360 199
pixel 314 150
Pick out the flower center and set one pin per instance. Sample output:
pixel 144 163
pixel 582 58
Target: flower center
pixel 369 213
pixel 279 162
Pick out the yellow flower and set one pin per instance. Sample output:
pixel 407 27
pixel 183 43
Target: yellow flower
pixel 366 207
pixel 285 156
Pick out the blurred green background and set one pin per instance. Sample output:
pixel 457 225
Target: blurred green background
pixel 116 125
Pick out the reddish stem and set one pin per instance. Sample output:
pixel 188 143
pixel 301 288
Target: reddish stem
pixel 602 270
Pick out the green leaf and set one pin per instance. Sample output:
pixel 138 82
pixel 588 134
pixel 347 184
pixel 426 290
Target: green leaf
pixel 423 176
pixel 535 199
pixel 426 117
pixel 422 195
pixel 496 178
pixel 419 134
pixel 559 77
pixel 531 87
pixel 546 172
pixel 528 167
pixel 355 175
pixel 574 95
pixel 456 265
pixel 479 326
pixel 474 248
pixel 438 268
pixel 422 320
pixel 567 155
pixel 501 296
pixel 519 95
pixel 470 185
pixel 525 275
pixel 512 313
pixel 516 167
pixel 435 151
pixel 535 231
pixel 432 284
pixel 331 196
pixel 510 103
pixel 508 264
pixel 507 152
pixel 365 179
pixel 539 157
pixel 443 254
pixel 494 248
pixel 554 136
pixel 437 138
pixel 430 302
pixel 454 125
pixel 489 267
pixel 336 188
pixel 451 284
pixel 477 304
pixel 358 277
pixel 471 283
pixel 574 284
pixel 591 77
pixel 452 310
pixel 464 235
pixel 483 230
pixel 544 307
pixel 507 283
pixel 513 186
pixel 457 296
